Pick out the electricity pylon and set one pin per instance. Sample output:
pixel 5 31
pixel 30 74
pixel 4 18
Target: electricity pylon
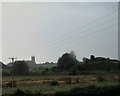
pixel 12 70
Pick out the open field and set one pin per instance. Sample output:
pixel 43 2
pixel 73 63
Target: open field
pixel 48 89
pixel 43 83
pixel 46 65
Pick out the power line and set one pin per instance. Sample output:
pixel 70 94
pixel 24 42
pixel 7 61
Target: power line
pixel 68 33
pixel 90 33
pixel 63 36
pixel 83 32
pixel 61 49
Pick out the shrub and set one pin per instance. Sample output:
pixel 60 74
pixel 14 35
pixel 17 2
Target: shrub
pixel 73 72
pixel 112 90
pixel 28 93
pixel 100 79
pixel 37 93
pixel 54 83
pixel 19 92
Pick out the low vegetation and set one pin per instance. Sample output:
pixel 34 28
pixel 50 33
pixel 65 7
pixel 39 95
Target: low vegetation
pixel 94 76
pixel 92 90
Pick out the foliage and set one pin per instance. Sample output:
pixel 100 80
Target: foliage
pixel 20 68
pixel 20 92
pixel 92 91
pixel 54 83
pixel 92 57
pixel 73 72
pixel 6 72
pixel 28 93
pixel 85 60
pixel 67 61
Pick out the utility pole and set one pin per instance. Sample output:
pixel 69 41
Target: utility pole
pixel 12 70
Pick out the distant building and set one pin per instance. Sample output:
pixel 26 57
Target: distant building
pixel 31 63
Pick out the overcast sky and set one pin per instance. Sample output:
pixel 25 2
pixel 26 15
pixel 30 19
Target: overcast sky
pixel 47 30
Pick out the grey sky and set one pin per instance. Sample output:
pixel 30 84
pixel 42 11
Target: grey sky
pixel 47 30
pixel 60 0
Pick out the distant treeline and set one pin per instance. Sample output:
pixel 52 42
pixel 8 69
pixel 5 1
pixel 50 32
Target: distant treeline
pixel 67 64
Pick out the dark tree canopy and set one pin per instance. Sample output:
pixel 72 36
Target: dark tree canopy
pixel 67 61
pixel 92 57
pixel 20 68
pixel 85 60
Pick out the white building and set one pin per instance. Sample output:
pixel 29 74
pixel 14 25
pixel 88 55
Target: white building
pixel 31 63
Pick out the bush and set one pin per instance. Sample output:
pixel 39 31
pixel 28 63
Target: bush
pixel 54 83
pixel 112 90
pixel 73 72
pixel 28 93
pixel 37 93
pixel 19 92
pixel 100 79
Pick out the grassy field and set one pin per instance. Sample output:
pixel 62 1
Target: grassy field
pixel 48 89
pixel 43 83
pixel 46 65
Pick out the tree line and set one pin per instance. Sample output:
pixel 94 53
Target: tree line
pixel 68 63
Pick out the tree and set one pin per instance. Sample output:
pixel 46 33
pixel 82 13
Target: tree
pixel 20 68
pixel 92 57
pixel 67 61
pixel 85 60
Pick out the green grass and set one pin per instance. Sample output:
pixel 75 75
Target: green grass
pixel 44 88
pixel 46 65
pixel 49 89
pixel 18 78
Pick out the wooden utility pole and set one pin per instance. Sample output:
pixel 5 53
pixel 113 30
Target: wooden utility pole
pixel 12 70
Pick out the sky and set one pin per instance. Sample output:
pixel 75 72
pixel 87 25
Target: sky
pixel 47 30
pixel 60 0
